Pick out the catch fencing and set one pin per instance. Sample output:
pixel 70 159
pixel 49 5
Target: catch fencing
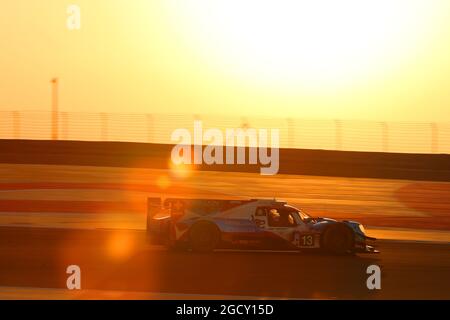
pixel 409 137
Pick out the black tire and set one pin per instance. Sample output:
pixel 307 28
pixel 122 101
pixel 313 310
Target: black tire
pixel 338 239
pixel 204 237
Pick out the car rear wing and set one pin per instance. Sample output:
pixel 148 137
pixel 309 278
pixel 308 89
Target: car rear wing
pixel 154 206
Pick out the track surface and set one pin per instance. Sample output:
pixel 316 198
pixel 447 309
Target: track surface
pixel 121 260
pixel 104 195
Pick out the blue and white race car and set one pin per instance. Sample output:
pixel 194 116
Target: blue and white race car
pixel 204 225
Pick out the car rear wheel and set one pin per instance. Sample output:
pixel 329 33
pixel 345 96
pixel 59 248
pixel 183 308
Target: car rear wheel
pixel 204 237
pixel 338 239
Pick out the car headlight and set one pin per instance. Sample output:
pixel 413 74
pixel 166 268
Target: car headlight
pixel 361 228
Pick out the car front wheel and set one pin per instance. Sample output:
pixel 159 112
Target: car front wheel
pixel 338 239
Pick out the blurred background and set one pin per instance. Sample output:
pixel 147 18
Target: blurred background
pixel 275 63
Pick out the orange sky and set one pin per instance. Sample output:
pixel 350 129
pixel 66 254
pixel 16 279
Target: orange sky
pixel 383 60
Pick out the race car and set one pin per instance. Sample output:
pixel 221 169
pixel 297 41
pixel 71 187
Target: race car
pixel 203 225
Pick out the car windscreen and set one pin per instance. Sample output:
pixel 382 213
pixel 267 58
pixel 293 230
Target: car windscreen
pixel 301 214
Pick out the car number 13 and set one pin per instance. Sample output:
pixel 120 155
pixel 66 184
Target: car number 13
pixel 306 240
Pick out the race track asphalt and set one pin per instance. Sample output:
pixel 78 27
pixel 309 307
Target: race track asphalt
pixel 121 260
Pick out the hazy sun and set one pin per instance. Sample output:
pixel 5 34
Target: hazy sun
pixel 312 43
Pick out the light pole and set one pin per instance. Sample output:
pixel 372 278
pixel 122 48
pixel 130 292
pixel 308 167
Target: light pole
pixel 55 129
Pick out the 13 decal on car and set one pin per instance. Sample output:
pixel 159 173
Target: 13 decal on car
pixel 302 241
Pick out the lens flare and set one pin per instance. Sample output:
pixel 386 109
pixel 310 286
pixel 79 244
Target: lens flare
pixel 120 245
pixel 181 171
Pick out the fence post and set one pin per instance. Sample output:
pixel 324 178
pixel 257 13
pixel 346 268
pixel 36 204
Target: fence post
pixel 338 134
pixel 64 125
pixel 55 124
pixel 104 126
pixel 16 124
pixel 434 138
pixel 291 132
pixel 150 133
pixel 385 136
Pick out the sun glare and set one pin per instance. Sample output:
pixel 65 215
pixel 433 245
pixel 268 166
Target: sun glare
pixel 309 43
